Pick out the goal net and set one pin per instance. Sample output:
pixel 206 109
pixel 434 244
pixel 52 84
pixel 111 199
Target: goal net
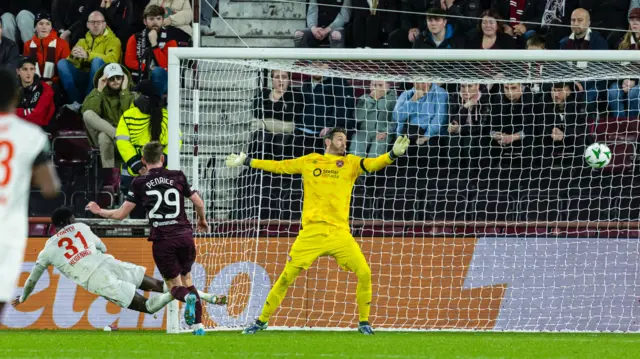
pixel 491 221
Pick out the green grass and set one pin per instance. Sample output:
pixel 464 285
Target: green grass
pixel 274 344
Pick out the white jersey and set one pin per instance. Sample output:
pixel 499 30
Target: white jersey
pixel 20 143
pixel 75 251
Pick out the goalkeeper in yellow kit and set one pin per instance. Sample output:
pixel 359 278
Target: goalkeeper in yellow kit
pixel 328 182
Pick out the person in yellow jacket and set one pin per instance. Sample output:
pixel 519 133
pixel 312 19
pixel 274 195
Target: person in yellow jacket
pixel 147 120
pixel 100 46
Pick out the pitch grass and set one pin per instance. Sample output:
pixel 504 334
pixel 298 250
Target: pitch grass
pixel 138 344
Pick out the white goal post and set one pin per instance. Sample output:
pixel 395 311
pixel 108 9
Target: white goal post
pixel 450 246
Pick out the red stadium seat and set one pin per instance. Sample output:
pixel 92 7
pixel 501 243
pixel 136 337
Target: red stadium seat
pixel 618 129
pixel 622 157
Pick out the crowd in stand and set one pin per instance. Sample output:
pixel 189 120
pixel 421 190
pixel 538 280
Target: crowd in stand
pixel 102 61
pixel 106 61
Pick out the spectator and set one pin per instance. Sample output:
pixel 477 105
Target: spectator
pixel 564 132
pixel 439 34
pixel 274 110
pixel 631 39
pixel 18 18
pixel 146 121
pixel 535 69
pixel 583 38
pixel 490 34
pixel 421 113
pixel 178 14
pixel 99 46
pixel 462 14
pixel 47 48
pixel 370 28
pixel 373 115
pixel 412 23
pixel 469 127
pixel 536 42
pixel 512 124
pixel 9 54
pixel 147 54
pixel 624 96
pixel 103 108
pixel 36 97
pixel 524 16
pixel 327 103
pixel 206 14
pixel 324 22
pixel 118 15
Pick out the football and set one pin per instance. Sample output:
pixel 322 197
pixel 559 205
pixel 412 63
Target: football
pixel 597 155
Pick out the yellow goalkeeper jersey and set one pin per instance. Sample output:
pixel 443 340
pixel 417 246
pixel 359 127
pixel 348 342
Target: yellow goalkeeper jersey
pixel 327 182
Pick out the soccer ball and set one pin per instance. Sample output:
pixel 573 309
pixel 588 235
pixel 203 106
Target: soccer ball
pixel 597 155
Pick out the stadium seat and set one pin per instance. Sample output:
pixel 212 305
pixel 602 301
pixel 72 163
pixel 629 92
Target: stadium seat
pixel 492 206
pixel 628 206
pixel 399 205
pixel 590 207
pixel 614 129
pixel 623 155
pixel 41 207
pixel 446 206
pixel 536 207
pixel 71 148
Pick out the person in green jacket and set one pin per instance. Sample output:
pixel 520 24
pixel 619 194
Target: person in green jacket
pixel 374 112
pixel 104 106
pixel 100 46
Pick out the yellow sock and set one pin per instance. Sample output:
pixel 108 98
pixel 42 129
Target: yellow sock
pixel 278 292
pixel 364 293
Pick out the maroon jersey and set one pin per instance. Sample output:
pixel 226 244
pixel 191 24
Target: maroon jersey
pixel 162 192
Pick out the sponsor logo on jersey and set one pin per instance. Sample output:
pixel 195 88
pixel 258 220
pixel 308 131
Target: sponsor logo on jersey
pixel 326 173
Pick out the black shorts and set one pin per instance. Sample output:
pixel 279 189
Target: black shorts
pixel 174 256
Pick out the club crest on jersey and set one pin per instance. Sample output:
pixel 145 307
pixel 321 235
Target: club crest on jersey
pixel 339 163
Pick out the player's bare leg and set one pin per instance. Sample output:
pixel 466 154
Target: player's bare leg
pixel 275 297
pixel 151 305
pixel 150 284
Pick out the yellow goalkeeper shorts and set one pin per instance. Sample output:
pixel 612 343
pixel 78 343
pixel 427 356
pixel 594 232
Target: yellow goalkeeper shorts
pixel 337 243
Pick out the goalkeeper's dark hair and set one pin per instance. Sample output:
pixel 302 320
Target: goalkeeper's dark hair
pixel 9 90
pixel 62 217
pixel 150 103
pixel 332 133
pixel 152 152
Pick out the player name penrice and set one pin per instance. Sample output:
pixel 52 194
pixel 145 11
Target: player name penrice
pixel 159 180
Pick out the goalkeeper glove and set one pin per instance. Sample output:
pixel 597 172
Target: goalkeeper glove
pixel 234 160
pixel 400 146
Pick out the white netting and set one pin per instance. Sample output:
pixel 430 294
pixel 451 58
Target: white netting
pixel 465 232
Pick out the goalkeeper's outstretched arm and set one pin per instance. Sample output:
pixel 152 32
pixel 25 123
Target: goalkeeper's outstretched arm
pixel 290 167
pixel 382 161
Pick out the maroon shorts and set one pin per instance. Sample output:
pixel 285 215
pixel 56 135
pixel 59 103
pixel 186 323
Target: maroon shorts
pixel 174 256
